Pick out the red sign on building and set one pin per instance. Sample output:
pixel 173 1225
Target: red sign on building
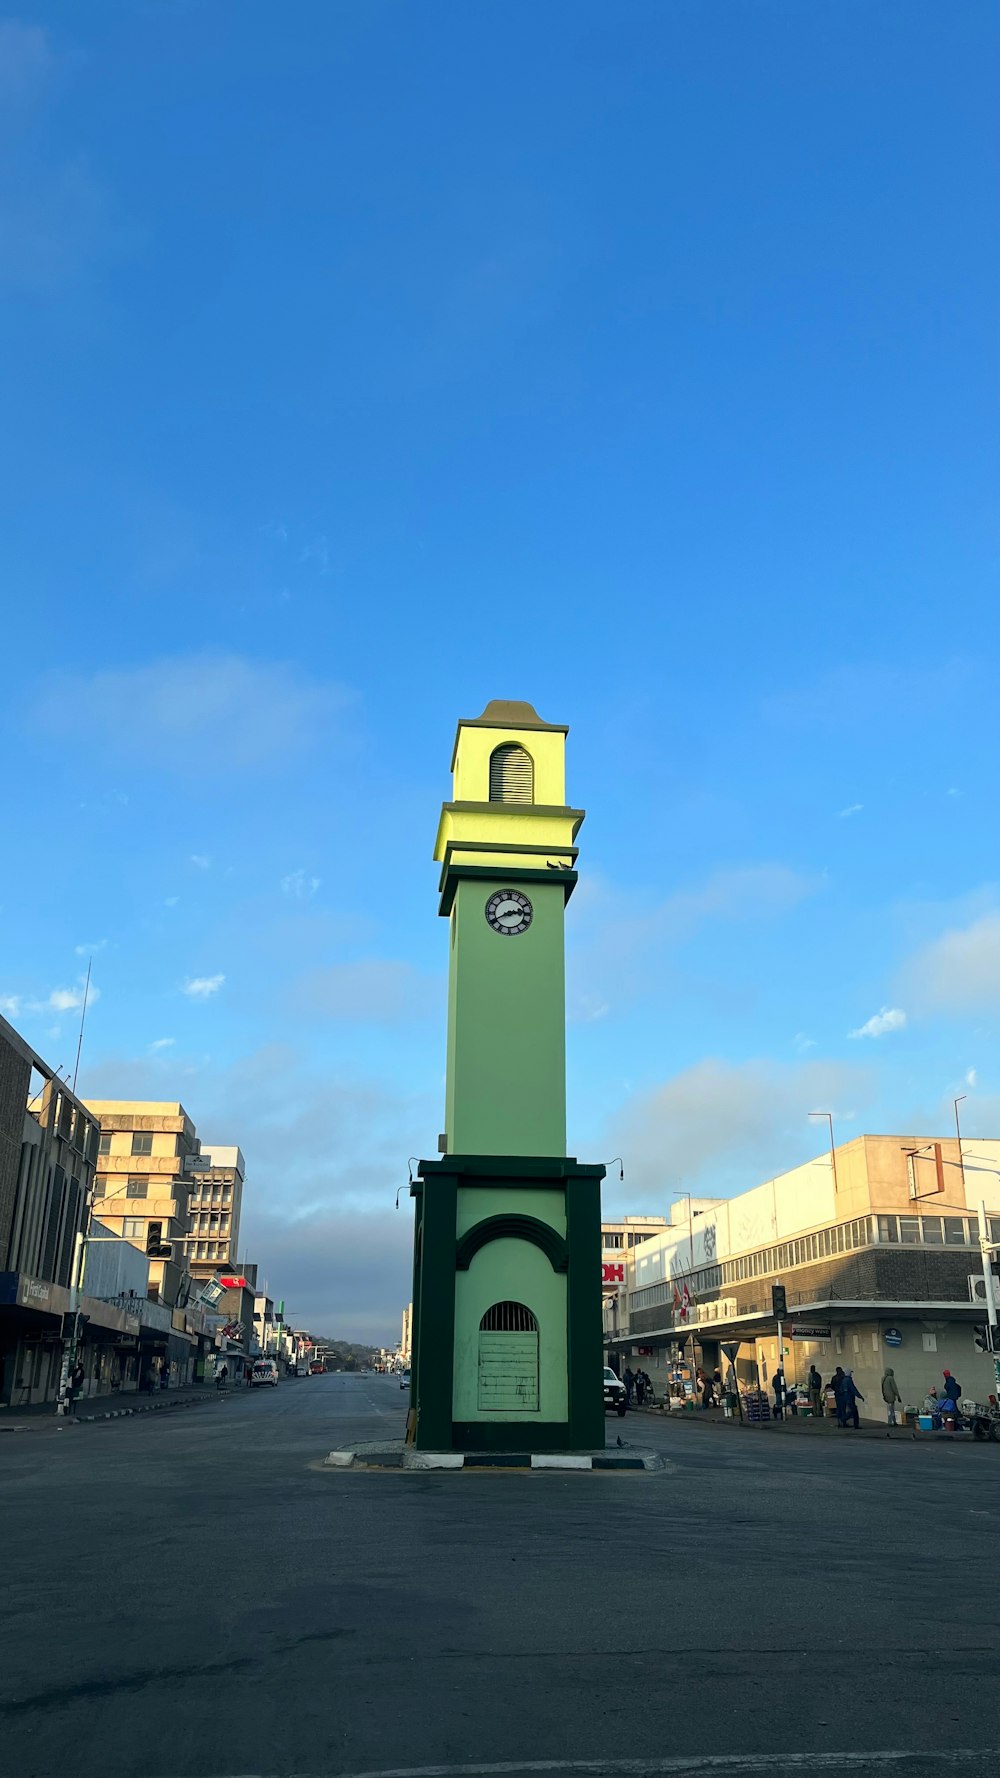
pixel 613 1274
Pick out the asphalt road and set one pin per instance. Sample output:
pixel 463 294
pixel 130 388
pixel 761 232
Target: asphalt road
pixel 191 1595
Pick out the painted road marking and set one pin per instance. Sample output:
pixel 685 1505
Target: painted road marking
pixel 712 1765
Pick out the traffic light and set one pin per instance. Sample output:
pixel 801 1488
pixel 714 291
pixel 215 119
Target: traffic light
pixel 987 1338
pixel 779 1306
pixel 156 1247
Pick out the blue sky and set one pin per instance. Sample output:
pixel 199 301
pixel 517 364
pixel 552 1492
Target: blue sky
pixel 366 362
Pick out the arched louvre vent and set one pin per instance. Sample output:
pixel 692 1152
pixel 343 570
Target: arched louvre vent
pixel 508 1318
pixel 512 775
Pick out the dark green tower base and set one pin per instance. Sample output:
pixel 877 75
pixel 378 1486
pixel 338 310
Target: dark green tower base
pixel 438 1255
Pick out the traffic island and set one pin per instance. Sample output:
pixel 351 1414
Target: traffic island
pixel 400 1456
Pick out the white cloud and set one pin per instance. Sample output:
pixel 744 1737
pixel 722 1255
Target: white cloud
pixel 202 714
pixel 67 999
pixel 327 1152
pixel 960 971
pixel 375 990
pixel 10 1005
pixel 971 1077
pixel 891 1018
pixel 851 809
pixel 299 885
pixel 803 1043
pixel 202 987
pixel 162 1043
pixel 199 860
pixel 729 1125
pixel 91 950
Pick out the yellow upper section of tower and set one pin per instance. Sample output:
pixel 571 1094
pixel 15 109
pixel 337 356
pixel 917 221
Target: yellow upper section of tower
pixel 503 799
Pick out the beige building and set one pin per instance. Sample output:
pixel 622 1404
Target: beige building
pixel 215 1203
pixel 406 1338
pixel 876 1246
pixel 143 1183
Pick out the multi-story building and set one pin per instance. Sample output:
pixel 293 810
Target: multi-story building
pixel 144 1181
pixel 876 1245
pixel 618 1238
pixel 406 1339
pixel 215 1202
pixel 48 1152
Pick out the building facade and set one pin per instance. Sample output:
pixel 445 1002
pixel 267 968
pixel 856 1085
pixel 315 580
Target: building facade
pixel 48 1155
pixel 144 1182
pixel 876 1246
pixel 215 1202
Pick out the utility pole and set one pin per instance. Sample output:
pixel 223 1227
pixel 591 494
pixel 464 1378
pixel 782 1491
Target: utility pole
pixel 987 1248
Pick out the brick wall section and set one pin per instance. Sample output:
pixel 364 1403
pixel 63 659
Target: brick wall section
pixel 15 1078
pixel 880 1274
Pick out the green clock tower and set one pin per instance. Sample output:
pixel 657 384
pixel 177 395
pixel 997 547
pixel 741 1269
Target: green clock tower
pixel 507 1339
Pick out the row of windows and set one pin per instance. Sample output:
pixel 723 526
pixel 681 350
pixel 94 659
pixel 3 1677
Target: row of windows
pixel 210 1224
pixel 210 1249
pixel 210 1195
pixel 864 1231
pixel 634 1238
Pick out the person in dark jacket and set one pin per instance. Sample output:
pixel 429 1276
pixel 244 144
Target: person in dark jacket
pixel 836 1383
pixel 815 1392
pixel 778 1385
pixel 640 1389
pixel 628 1379
pixel 852 1395
pixel 952 1388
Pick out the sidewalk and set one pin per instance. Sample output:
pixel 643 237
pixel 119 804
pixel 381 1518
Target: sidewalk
pixel 798 1426
pixel 107 1407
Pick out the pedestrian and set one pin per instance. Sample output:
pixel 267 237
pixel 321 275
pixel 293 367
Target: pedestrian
pixel 852 1395
pixel 221 1375
pixel 640 1389
pixel 952 1388
pixel 149 1379
pixel 706 1390
pixel 815 1392
pixel 717 1388
pixel 836 1383
pixel 890 1395
pixel 778 1385
pixel 628 1379
pixel 75 1385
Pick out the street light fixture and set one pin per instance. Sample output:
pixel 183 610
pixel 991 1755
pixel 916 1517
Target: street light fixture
pixel 833 1151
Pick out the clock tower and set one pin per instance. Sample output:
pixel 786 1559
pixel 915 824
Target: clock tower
pixel 507 1305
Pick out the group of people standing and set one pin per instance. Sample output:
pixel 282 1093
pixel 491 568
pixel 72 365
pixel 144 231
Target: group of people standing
pixel 637 1383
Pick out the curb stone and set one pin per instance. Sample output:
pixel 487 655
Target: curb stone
pixel 524 1462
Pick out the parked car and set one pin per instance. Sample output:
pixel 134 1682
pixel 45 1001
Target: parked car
pixel 264 1371
pixel 404 1379
pixel 614 1393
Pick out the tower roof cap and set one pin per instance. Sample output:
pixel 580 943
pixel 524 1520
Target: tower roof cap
pixel 508 713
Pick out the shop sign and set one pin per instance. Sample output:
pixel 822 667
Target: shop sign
pixel 892 1336
pixel 810 1333
pixel 234 1283
pixel 614 1273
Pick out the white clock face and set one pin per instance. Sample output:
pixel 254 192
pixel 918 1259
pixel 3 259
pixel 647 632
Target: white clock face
pixel 509 912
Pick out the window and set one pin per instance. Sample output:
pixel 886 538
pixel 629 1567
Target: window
pixel 954 1231
pixel 909 1231
pixel 933 1231
pixel 136 1188
pixel 508 1359
pixel 104 1146
pixel 142 1142
pixel 133 1227
pixel 512 775
pixel 887 1230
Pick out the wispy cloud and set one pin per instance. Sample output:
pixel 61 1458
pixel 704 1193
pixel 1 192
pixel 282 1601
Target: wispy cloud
pixel 851 809
pixel 971 1077
pixel 317 552
pixel 201 714
pixel 299 885
pixel 374 990
pixel 960 971
pixel 162 1043
pixel 202 987
pixel 10 1005
pixel 200 861
pixel 729 1123
pixel 91 950
pixel 891 1018
pixel 171 901
pixel 803 1043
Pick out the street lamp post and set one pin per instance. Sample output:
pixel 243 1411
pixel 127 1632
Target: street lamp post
pixel 833 1151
